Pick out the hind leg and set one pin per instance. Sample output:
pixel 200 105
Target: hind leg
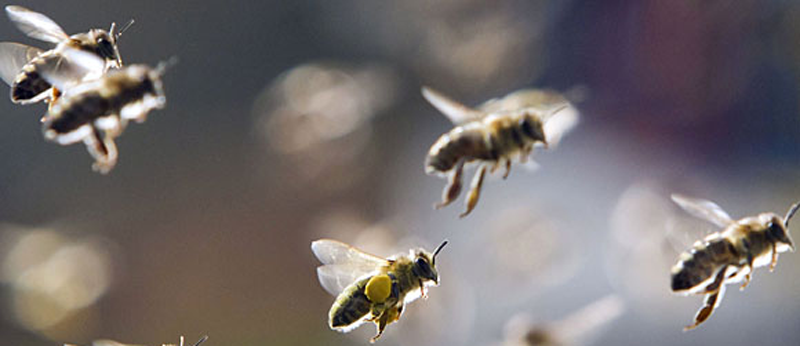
pixel 475 190
pixel 525 153
pixel 774 261
pixel 714 291
pixel 749 274
pixel 453 188
pixel 103 150
pixel 387 317
pixel 53 98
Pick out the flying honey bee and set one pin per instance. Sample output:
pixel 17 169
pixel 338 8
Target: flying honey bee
pixel 728 256
pixel 98 110
pixel 370 288
pixel 20 65
pixel 492 135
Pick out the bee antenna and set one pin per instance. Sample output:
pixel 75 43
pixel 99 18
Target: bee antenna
pixel 124 28
pixel 436 252
pixel 202 340
pixel 790 213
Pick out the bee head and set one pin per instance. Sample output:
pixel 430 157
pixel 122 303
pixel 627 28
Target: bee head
pixel 105 45
pixel 532 127
pixel 425 264
pixel 780 230
pixel 106 42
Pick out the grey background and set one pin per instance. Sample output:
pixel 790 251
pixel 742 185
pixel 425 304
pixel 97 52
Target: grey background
pixel 211 227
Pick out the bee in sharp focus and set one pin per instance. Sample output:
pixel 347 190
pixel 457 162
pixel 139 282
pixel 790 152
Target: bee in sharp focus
pixel 20 65
pixel 97 111
pixel 370 288
pixel 492 135
pixel 728 256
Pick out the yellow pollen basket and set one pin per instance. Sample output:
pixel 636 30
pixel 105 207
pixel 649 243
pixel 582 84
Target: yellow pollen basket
pixel 378 288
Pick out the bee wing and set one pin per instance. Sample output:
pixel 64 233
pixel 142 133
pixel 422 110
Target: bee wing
pixel 455 111
pixel 335 252
pixel 703 209
pixel 71 68
pixel 343 264
pixel 13 56
pixel 524 98
pixel 36 25
pixel 334 278
pixel 558 121
pixel 108 342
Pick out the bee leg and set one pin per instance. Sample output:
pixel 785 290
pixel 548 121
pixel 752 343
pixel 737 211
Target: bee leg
pixel 508 169
pixel 749 274
pixel 103 150
pixel 453 188
pixel 382 321
pixel 422 291
pixel 774 261
pixel 117 130
pixel 53 98
pixel 475 190
pixel 715 292
pixel 524 153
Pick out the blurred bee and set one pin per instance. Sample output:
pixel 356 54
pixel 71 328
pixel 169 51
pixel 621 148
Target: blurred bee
pixel 576 329
pixel 107 342
pixel 370 288
pixel 20 65
pixel 97 111
pixel 492 135
pixel 729 256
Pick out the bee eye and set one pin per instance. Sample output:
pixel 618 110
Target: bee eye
pixel 527 128
pixel 423 268
pixel 105 49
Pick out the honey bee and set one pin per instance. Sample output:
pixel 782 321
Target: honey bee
pixel 20 65
pixel 108 342
pixel 97 111
pixel 370 288
pixel 728 256
pixel 492 135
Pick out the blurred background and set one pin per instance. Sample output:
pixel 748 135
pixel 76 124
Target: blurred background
pixel 289 121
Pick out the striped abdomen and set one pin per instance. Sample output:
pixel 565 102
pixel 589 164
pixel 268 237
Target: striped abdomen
pixel 72 112
pixel 351 305
pixel 454 146
pixel 29 84
pixel 81 111
pixel 702 262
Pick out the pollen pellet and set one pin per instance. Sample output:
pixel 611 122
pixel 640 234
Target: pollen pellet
pixel 378 288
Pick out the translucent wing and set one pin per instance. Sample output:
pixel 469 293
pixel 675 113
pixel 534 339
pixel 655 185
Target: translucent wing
pixel 343 264
pixel 703 209
pixel 334 278
pixel 455 111
pixel 525 98
pixel 36 25
pixel 107 342
pixel 335 252
pixel 71 67
pixel 558 122
pixel 13 56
